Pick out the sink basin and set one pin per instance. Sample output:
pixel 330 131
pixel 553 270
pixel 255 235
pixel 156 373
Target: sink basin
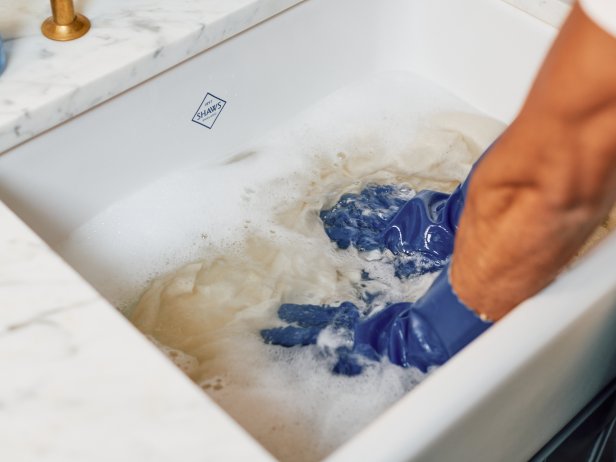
pixel 502 397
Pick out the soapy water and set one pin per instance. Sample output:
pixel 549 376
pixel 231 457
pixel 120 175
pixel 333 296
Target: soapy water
pixel 201 260
pixel 236 240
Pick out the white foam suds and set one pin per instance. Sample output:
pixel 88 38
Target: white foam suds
pixel 246 237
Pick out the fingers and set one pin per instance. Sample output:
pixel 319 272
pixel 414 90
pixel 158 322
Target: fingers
pixel 346 316
pixel 291 336
pixel 348 363
pixel 358 219
pixel 307 315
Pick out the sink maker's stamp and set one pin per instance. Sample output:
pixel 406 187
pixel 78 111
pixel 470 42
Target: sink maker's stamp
pixel 209 110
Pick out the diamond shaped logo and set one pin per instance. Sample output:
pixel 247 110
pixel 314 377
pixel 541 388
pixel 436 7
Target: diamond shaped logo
pixel 209 110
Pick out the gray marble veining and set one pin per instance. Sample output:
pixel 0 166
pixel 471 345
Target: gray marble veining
pixel 48 82
pixel 78 383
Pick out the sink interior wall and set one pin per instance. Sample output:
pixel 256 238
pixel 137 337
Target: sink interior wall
pixel 59 180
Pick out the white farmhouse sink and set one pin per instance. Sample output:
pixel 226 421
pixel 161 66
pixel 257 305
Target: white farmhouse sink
pixel 506 394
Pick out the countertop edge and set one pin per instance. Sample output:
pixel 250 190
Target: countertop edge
pixel 64 100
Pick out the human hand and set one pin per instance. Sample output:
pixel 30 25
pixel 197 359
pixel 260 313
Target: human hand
pixel 421 334
pixel 418 228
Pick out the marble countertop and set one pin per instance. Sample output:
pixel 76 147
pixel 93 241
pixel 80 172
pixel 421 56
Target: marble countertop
pixel 79 385
pixel 47 82
pixel 69 391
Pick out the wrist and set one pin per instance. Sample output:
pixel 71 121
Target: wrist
pixel 453 322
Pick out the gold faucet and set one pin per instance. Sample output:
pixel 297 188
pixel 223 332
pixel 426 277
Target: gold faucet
pixel 65 24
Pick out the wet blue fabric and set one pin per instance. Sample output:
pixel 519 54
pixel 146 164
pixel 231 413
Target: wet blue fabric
pixel 421 230
pixel 421 334
pixel 307 322
pixel 358 219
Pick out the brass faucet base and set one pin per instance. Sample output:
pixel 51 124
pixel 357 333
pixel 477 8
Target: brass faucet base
pixel 63 33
